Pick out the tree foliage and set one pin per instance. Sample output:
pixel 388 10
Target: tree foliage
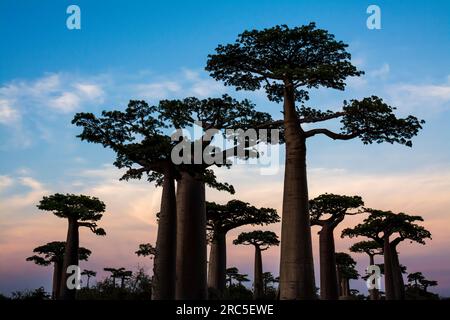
pixel 346 266
pixel 331 208
pixel 84 209
pixel 258 238
pixel 54 252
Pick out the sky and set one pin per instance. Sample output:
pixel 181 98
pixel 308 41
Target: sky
pixel 155 50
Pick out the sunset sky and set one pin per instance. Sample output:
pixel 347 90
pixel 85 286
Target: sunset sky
pixel 154 50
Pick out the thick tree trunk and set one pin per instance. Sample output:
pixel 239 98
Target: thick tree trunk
pixel 328 278
pixel 373 293
pixel 164 276
pixel 70 259
pixel 399 285
pixel 339 281
pixel 87 284
pixel 389 286
pixel 258 276
pixel 191 239
pixel 217 263
pixel 57 270
pixel 296 264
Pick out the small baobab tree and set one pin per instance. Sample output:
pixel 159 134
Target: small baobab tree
pixel 146 250
pixel 53 253
pixel 261 240
pixel 287 63
pixel 220 220
pixel 345 268
pixel 371 248
pixel 327 211
pixel 89 274
pixel 389 230
pixel 80 211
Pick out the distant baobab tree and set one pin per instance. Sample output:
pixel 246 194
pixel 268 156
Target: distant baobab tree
pixel 346 271
pixel 119 273
pixel 53 253
pixel 371 248
pixel 220 220
pixel 146 250
pixel 389 230
pixel 327 211
pixel 89 274
pixel 268 278
pixel 287 63
pixel 80 211
pixel 417 279
pixel 261 240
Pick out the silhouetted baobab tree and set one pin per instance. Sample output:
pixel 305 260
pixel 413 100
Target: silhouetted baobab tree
pixel 345 270
pixel 327 211
pixel 89 274
pixel 141 147
pixel 115 273
pixel 389 230
pixel 214 114
pixel 53 253
pixel 80 211
pixel 418 280
pixel 287 62
pixel 268 278
pixel 261 240
pixel 146 250
pixel 371 248
pixel 230 274
pixel 220 220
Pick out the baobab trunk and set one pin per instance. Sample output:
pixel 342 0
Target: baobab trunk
pixel 328 278
pixel 217 263
pixel 345 284
pixel 191 239
pixel 296 263
pixel 258 276
pixel 70 259
pixel 399 285
pixel 389 286
pixel 373 293
pixel 57 270
pixel 164 276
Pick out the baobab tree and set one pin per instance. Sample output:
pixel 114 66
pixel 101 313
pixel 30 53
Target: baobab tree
pixel 115 273
pixel 389 230
pixel 418 280
pixel 80 211
pixel 287 63
pixel 89 274
pixel 53 253
pixel 268 278
pixel 137 137
pixel 327 211
pixel 141 147
pixel 261 240
pixel 220 220
pixel 371 248
pixel 146 250
pixel 231 274
pixel 213 115
pixel 345 266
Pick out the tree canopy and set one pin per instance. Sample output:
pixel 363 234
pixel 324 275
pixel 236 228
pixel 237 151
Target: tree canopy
pixel 84 209
pixel 54 252
pixel 258 238
pixel 380 224
pixel 346 266
pixel 331 208
pixel 146 249
pixel 371 248
pixel 236 213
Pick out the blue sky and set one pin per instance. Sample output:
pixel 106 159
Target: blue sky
pixel 158 49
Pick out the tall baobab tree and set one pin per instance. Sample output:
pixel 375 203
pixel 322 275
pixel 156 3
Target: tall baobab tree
pixel 137 136
pixel 142 148
pixel 287 63
pixel 327 211
pixel 80 211
pixel 389 230
pixel 371 248
pixel 53 253
pixel 214 115
pixel 261 240
pixel 89 274
pixel 346 270
pixel 220 220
